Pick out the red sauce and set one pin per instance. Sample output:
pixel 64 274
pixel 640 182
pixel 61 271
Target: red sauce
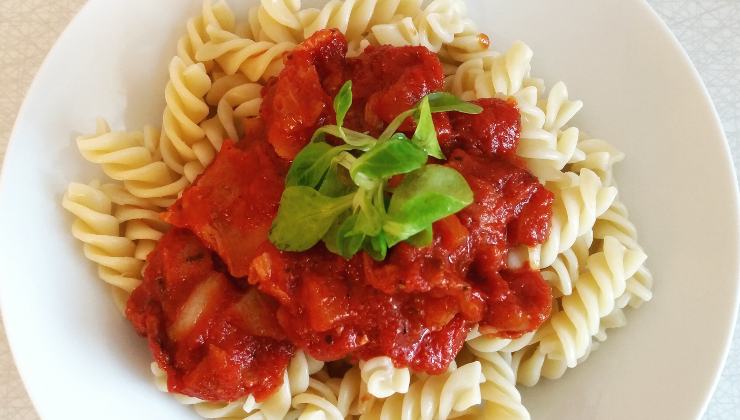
pixel 416 307
pixel 231 346
pixel 231 206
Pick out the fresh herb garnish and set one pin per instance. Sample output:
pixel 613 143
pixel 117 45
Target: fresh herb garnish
pixel 340 194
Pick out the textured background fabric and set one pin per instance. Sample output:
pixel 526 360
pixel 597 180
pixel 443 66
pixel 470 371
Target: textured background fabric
pixel 708 29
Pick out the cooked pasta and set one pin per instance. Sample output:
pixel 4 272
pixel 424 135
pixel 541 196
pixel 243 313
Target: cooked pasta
pixel 183 145
pixel 579 200
pixel 501 399
pixel 132 157
pixel 317 402
pixel 219 15
pixel 255 59
pixel 283 20
pixel 139 218
pixel 382 378
pixel 100 232
pixel 241 100
pixel 433 397
pixel 593 298
pixel 591 259
pixel 435 25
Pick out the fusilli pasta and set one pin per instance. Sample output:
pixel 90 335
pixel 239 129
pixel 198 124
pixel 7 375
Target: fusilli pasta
pixel 183 145
pixel 132 157
pixel 579 200
pixel 433 397
pixel 100 232
pixel 382 378
pixel 240 101
pixel 593 298
pixel 219 15
pixel 255 59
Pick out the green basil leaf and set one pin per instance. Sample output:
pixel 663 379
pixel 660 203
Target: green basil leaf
pixel 304 217
pixel 393 126
pixel 423 197
pixel 359 140
pixel 423 238
pixel 376 246
pixel 348 241
pixel 311 164
pixel 445 102
pixel 425 135
pixel 390 158
pixel 369 220
pixel 331 236
pixel 337 182
pixel 343 101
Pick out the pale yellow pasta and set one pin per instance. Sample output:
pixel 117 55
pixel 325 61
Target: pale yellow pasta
pixel 183 144
pixel 500 398
pixel 133 158
pixel 382 378
pixel 255 59
pixel 219 15
pixel 433 397
pixel 139 217
pixel 236 104
pixel 594 297
pixel 437 24
pixel 100 232
pixel 579 200
pixel 284 20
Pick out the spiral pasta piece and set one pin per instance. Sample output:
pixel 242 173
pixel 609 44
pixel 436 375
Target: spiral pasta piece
pixel 433 397
pixel 219 15
pixel 594 297
pixel 484 343
pixel 599 156
pixel 436 25
pixel 382 378
pixel 579 200
pixel 183 145
pixel 255 59
pixel 132 157
pixel 139 217
pixel 467 44
pixel 559 109
pixel 100 232
pixel 237 103
pixel 501 399
pixel 318 402
pixel 565 270
pixel 284 21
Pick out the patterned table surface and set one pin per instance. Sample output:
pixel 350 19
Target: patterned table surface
pixel 708 29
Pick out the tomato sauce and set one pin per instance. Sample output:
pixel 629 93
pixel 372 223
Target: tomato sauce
pixel 216 338
pixel 417 306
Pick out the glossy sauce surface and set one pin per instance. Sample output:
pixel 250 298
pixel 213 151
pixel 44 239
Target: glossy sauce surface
pixel 416 306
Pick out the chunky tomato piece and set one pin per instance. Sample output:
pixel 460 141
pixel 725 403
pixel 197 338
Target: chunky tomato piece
pixel 389 80
pixel 493 132
pixel 295 103
pixel 216 341
pixel 533 225
pixel 520 301
pixel 231 205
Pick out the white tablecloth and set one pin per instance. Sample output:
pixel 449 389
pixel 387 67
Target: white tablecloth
pixel 708 29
